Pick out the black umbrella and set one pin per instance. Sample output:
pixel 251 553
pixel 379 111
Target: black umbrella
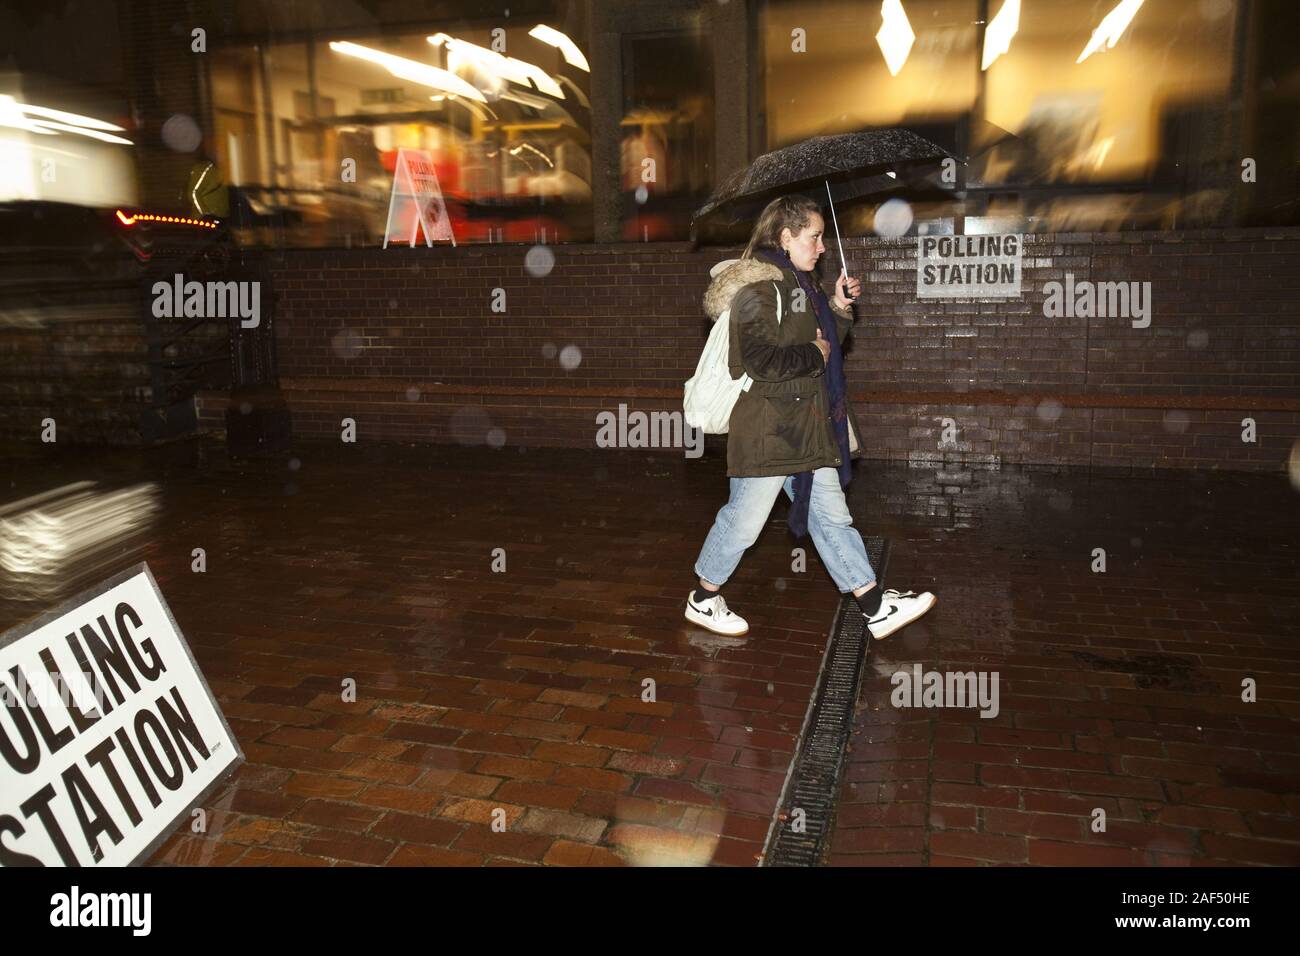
pixel 852 164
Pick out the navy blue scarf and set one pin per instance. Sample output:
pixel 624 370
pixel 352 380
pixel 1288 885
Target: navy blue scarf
pixel 837 391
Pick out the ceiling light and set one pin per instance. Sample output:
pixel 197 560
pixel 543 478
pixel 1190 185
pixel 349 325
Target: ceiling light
pixel 572 55
pixel 998 34
pixel 895 36
pixel 496 64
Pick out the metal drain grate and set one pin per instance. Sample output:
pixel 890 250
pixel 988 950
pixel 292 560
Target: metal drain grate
pixel 813 781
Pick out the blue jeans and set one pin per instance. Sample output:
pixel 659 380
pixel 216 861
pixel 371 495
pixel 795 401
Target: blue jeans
pixel 743 518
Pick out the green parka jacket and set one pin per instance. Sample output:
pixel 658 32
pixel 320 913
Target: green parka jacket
pixel 781 425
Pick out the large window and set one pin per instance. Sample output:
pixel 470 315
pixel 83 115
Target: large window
pixel 1097 114
pixel 1092 115
pixel 308 133
pixel 666 133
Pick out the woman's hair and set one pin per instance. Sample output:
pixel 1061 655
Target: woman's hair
pixel 792 212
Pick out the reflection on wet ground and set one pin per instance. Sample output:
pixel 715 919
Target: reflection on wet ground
pixel 1121 690
pixel 512 621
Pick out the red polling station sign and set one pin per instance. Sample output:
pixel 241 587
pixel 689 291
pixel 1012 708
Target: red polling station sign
pixel 109 735
pixel 416 204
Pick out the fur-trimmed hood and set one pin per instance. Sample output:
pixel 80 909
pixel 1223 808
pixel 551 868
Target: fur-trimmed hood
pixel 729 277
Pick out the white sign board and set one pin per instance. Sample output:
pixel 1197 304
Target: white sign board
pixel 416 202
pixel 109 735
pixel 968 267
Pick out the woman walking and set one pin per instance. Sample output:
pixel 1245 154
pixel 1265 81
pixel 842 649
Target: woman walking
pixel 792 429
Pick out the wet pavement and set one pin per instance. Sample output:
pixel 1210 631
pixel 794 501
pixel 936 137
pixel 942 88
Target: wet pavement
pixel 1119 690
pixel 503 614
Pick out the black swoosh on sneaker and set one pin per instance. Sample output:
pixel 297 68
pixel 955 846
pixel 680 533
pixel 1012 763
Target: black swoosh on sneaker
pixel 892 608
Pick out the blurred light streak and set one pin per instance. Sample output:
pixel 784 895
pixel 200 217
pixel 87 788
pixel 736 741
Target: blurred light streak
pixel 53 539
pixel 17 115
pixel 1111 28
pixel 404 69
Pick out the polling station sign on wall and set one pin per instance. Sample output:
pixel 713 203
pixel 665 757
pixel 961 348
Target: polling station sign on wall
pixel 968 267
pixel 109 735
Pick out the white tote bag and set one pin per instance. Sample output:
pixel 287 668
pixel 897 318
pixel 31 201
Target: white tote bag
pixel 711 392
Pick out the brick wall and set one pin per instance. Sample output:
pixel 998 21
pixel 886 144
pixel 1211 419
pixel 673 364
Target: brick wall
pixel 406 343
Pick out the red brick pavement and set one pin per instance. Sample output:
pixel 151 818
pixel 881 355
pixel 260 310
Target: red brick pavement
pixel 1119 690
pixel 479 695
pixel 520 693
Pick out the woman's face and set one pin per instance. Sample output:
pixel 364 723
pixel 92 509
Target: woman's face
pixel 806 248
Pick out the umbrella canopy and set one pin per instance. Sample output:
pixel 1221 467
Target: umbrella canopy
pixel 854 164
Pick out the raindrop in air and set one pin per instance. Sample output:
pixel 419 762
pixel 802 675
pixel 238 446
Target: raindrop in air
pixel 539 261
pixel 893 219
pixel 570 357
pixel 347 344
pixel 1049 409
pixel 181 133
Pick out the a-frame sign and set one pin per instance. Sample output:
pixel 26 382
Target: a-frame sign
pixel 416 203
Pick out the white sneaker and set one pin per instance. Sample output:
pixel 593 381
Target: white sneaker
pixel 714 615
pixel 897 609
